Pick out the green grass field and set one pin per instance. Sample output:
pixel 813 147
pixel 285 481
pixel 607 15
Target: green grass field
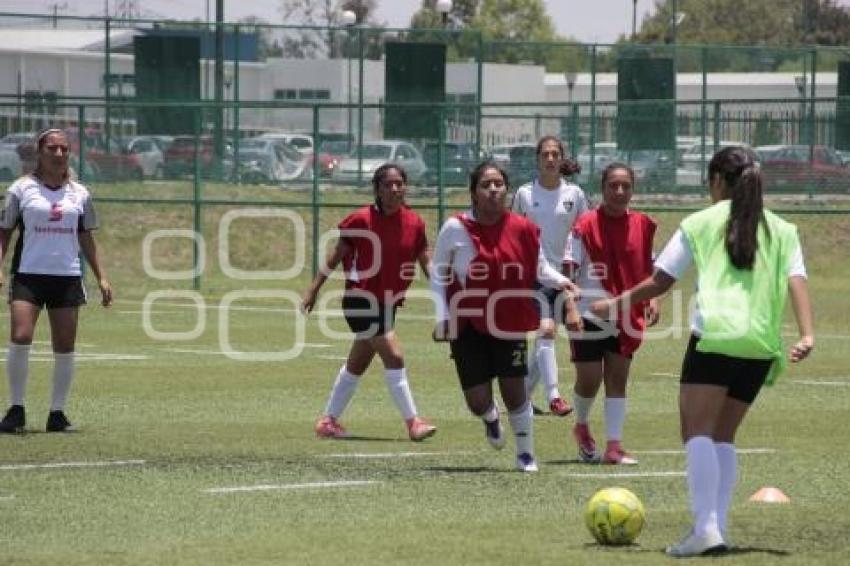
pixel 165 422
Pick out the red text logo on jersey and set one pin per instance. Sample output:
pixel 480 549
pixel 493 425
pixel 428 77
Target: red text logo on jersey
pixel 55 212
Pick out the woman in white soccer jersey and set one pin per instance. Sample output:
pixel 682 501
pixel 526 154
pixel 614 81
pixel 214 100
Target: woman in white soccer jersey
pixel 55 217
pixel 748 260
pixel 554 204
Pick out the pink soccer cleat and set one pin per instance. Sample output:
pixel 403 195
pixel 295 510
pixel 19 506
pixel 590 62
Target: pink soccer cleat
pixel 615 454
pixel 419 429
pixel 328 427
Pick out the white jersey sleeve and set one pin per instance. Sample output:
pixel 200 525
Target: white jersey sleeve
pixel 522 200
pixel 11 211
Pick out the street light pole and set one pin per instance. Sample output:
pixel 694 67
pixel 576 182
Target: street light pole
pixel 634 19
pixel 444 7
pixel 349 18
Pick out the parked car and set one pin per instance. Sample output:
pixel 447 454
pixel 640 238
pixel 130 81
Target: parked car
pixel 501 154
pixel 604 153
pixel 458 160
pixel 179 158
pixel 655 169
pixel 301 142
pixel 148 151
pixel 522 164
pixel 693 164
pixel 15 139
pixel 801 167
pixel 372 155
pixel 263 160
pixel 331 152
pixel 10 163
pixel 110 162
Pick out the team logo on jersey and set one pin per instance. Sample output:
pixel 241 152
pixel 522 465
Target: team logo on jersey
pixel 55 212
pixel 568 205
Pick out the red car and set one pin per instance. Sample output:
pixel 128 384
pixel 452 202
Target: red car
pixel 796 166
pixel 107 163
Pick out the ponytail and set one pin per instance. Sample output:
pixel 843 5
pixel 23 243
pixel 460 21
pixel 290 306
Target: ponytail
pixel 746 211
pixel 742 181
pixel 569 167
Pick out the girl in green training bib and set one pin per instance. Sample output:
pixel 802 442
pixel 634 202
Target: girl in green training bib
pixel 748 260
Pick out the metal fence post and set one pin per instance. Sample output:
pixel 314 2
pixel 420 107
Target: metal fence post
pixel 314 199
pixel 592 114
pixel 441 150
pixel 236 103
pixel 81 124
pixel 478 95
pixel 107 83
pixel 196 201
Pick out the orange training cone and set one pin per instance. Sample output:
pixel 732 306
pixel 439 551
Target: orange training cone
pixel 769 495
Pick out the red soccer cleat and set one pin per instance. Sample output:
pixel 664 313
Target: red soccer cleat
pixel 328 427
pixel 559 407
pixel 418 429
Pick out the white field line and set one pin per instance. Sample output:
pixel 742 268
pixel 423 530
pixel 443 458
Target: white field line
pixel 664 374
pixel 828 383
pixel 6 497
pixel 388 454
pixel 290 486
pixel 628 475
pixel 80 357
pixel 787 334
pixel 325 313
pixel 680 451
pixel 54 465
pixel 337 358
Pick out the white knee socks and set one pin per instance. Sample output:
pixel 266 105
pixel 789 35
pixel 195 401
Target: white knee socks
pixel 342 392
pixel 703 483
pixel 17 371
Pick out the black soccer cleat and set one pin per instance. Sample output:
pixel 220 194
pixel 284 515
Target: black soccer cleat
pixel 14 420
pixel 57 422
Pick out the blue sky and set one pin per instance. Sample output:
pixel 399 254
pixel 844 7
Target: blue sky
pixel 588 20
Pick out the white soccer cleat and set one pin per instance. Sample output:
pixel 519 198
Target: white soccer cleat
pixel 495 434
pixel 693 545
pixel 525 462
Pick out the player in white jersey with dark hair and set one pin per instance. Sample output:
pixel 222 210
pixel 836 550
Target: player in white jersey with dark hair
pixel 55 218
pixel 554 205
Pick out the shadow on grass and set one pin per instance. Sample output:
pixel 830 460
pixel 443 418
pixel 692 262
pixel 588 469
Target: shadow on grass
pixel 735 551
pixel 739 550
pixel 466 469
pixel 360 438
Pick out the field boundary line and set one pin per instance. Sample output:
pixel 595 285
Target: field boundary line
pixel 55 465
pixel 288 486
pixel 665 474
pixel 376 455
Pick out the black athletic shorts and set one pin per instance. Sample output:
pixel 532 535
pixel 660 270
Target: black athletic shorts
pixel 742 377
pixel 594 343
pixel 481 357
pixel 52 291
pixel 367 318
pixel 546 302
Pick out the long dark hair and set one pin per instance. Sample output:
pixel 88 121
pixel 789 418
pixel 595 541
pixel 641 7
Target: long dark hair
pixel 568 166
pixel 743 187
pixel 378 178
pixel 476 174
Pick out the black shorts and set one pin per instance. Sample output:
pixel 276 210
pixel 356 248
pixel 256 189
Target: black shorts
pixel 594 343
pixel 742 377
pixel 52 291
pixel 547 304
pixel 367 318
pixel 481 357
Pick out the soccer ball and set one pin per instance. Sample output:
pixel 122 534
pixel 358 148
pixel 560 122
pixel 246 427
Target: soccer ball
pixel 614 515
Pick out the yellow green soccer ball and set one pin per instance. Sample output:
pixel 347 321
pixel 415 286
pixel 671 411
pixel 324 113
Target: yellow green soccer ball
pixel 614 515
